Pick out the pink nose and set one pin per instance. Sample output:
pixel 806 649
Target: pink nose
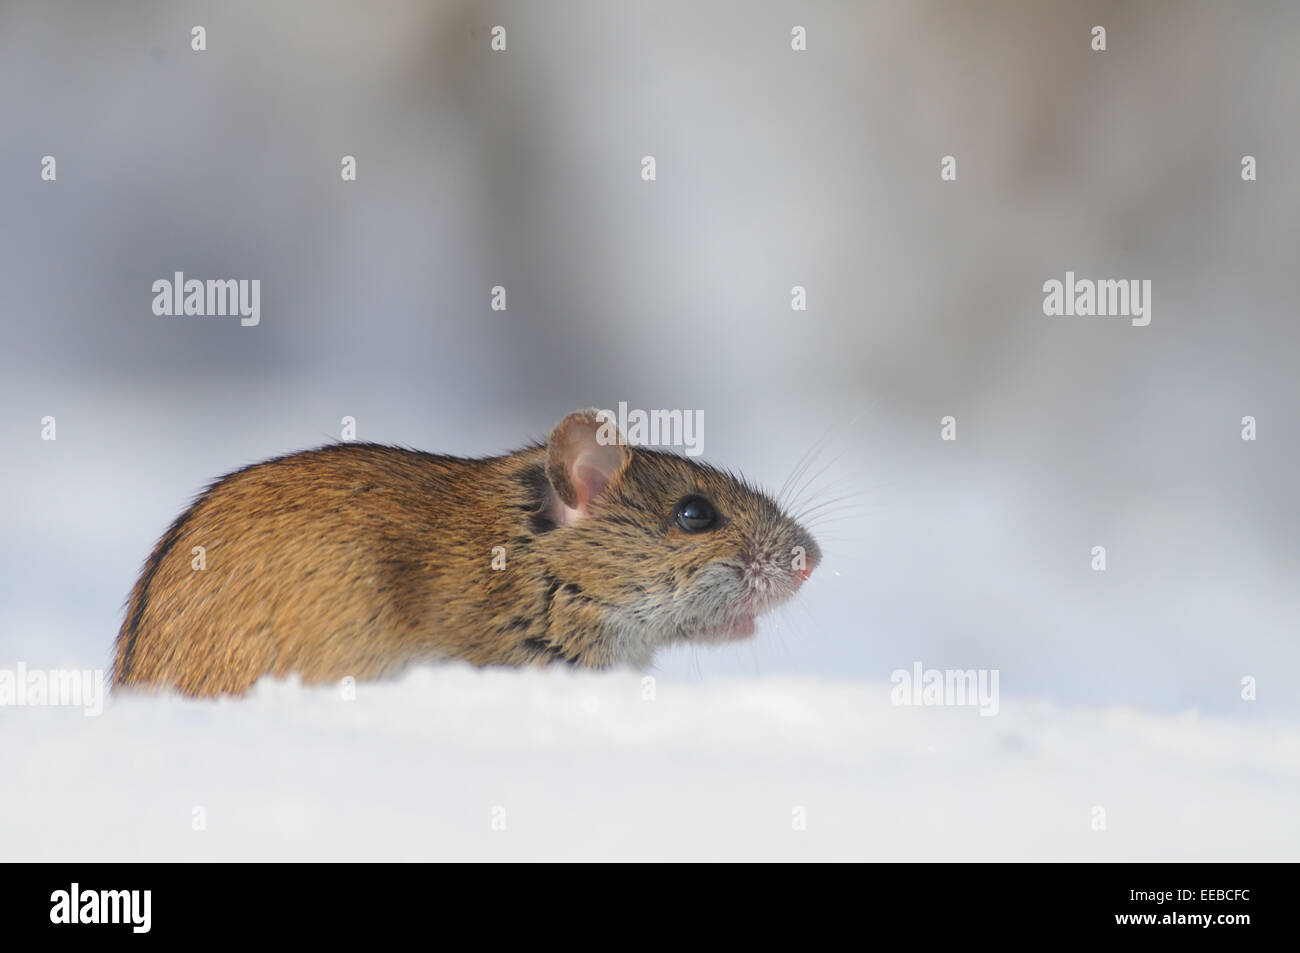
pixel 804 574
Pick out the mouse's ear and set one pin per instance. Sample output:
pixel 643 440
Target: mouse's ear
pixel 583 456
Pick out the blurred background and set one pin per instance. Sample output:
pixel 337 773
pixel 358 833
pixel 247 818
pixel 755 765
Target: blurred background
pixel 775 168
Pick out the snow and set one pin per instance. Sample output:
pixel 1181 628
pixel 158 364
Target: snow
pixel 612 766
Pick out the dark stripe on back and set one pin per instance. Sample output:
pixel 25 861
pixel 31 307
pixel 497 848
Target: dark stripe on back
pixel 538 487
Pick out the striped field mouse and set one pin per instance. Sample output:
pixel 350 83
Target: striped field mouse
pixel 359 559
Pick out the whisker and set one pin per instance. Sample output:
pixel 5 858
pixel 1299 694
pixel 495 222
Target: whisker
pixel 806 485
pixel 834 519
pixel 804 462
pixel 842 486
pixel 846 499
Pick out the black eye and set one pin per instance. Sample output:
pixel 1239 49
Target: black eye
pixel 695 514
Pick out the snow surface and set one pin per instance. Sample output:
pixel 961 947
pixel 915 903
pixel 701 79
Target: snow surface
pixel 583 766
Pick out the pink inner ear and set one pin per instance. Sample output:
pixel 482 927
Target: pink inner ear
pixel 588 466
pixel 589 481
pixel 589 477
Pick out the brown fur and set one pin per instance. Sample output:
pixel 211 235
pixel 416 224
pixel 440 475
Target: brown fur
pixel 359 559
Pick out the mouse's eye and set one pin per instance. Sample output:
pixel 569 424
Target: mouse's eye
pixel 695 514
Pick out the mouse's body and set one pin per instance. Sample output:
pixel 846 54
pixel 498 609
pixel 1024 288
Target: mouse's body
pixel 359 559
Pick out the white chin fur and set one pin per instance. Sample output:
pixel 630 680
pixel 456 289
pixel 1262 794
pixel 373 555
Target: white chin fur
pixel 722 606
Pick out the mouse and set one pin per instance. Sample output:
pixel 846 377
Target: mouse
pixel 359 560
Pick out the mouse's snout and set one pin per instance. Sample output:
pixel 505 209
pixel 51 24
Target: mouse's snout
pixel 785 564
